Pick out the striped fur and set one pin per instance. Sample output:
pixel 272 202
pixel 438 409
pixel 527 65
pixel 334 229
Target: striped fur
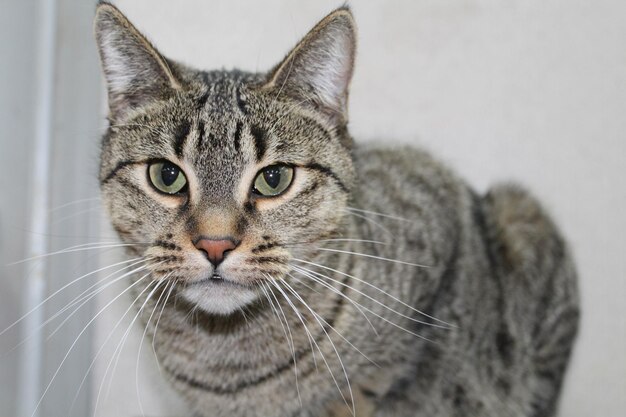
pixel 422 297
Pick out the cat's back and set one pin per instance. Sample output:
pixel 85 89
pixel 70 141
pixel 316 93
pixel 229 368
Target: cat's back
pixel 511 263
pixel 404 180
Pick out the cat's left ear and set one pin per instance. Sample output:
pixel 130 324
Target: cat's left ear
pixel 318 70
pixel 136 73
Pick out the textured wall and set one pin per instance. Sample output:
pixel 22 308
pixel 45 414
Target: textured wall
pixel 531 90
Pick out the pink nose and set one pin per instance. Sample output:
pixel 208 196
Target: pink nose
pixel 215 250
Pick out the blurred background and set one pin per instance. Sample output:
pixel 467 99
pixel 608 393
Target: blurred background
pixel 527 90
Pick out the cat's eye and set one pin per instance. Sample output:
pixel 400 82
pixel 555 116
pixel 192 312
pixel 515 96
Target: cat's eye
pixel 272 180
pixel 167 177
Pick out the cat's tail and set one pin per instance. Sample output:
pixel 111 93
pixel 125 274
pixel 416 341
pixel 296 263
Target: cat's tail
pixel 536 268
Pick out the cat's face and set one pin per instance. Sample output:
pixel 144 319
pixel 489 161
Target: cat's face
pixel 221 178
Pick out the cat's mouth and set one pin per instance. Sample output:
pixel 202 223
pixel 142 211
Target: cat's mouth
pixel 218 294
pixel 217 280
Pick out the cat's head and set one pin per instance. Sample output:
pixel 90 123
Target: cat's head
pixel 221 177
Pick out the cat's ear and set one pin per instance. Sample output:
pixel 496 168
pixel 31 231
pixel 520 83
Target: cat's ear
pixel 135 72
pixel 319 69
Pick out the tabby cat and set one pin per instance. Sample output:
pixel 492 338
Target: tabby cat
pixel 287 271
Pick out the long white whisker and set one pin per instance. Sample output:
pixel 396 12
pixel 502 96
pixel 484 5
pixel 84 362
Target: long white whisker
pixel 267 290
pixel 374 213
pixel 273 307
pixel 61 289
pixel 328 324
pixel 76 341
pixel 70 305
pixel 78 248
pixel 106 371
pixel 380 258
pixel 293 346
pixel 398 326
pixel 156 327
pixel 374 300
pixel 126 334
pixel 376 288
pixel 71 203
pixel 143 336
pixel 93 362
pixel 356 305
pixel 308 333
pixel 75 214
pixel 367 219
pixel 353 409
pixel 354 240
pixel 88 297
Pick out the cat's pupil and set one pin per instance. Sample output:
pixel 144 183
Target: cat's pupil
pixel 169 173
pixel 272 176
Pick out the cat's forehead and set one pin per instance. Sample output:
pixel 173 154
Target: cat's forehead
pixel 223 92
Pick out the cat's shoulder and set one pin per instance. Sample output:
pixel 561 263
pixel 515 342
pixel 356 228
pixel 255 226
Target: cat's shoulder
pixel 381 151
pixel 401 158
pixel 405 166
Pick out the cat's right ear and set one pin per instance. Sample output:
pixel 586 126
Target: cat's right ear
pixel 135 72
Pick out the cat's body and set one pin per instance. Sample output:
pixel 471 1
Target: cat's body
pixel 496 262
pixel 378 267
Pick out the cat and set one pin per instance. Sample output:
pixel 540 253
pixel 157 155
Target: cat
pixel 288 271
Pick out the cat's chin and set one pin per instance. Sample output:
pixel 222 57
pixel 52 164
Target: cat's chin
pixel 219 297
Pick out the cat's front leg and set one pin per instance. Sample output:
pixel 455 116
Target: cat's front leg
pixel 364 405
pixel 367 393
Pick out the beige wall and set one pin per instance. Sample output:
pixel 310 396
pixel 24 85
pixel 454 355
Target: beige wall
pixel 531 90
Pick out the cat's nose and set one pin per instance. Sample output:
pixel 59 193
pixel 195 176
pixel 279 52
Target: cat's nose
pixel 215 249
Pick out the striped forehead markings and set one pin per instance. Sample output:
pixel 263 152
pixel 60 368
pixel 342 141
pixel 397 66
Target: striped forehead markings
pixel 201 130
pixel 259 136
pixel 237 137
pixel 241 102
pixel 181 133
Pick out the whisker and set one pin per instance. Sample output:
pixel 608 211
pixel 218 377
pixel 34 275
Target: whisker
pixel 122 343
pixel 61 289
pixel 267 290
pixel 306 272
pixel 273 307
pixel 354 240
pixel 375 213
pixel 299 297
pixel 376 288
pixel 375 223
pixel 84 300
pixel 156 327
pixel 447 327
pixel 293 346
pixel 398 326
pixel 76 214
pixel 122 340
pixel 76 341
pixel 71 203
pixel 380 258
pixel 143 336
pixel 79 248
pixel 308 333
pixel 93 362
pixel 275 282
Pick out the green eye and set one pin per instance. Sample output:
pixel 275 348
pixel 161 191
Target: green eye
pixel 272 180
pixel 167 177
